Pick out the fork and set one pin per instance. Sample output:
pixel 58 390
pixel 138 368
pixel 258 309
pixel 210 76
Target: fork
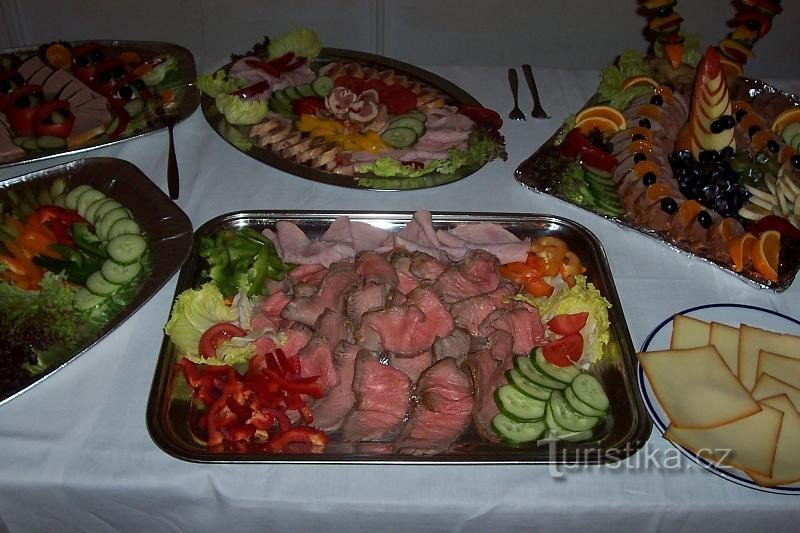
pixel 513 81
pixel 538 111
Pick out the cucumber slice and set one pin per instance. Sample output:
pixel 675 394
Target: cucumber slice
pixel 124 226
pixel 531 373
pixel 104 209
pixel 409 122
pixel 306 90
pixel 20 141
pixel 98 285
pixel 564 374
pixel 44 197
pixel 134 107
pixel 49 142
pixel 29 144
pixel 57 187
pixel 60 200
pixel 566 417
pixel 516 433
pixel 399 137
pixel 322 86
pixel 518 406
pixel 126 248
pixel 419 115
pixel 71 199
pixel 563 433
pixel 527 387
pixel 292 93
pixel 120 274
pixel 282 98
pixel 86 199
pixel 108 219
pixel 86 299
pixel 92 209
pixel 579 405
pixel 590 391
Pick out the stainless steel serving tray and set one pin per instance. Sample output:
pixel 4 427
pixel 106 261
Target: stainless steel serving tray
pixel 628 427
pixel 456 94
pixel 535 173
pixel 183 108
pixel 168 230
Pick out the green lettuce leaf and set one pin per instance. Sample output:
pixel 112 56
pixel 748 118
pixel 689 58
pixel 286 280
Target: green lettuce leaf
pixel 302 41
pixel 240 111
pixel 574 186
pixel 218 83
pixel 193 313
pixel 630 63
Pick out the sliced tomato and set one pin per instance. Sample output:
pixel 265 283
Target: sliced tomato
pixel 356 85
pixel 564 351
pixel 216 335
pixel 399 100
pixel 565 324
pixel 482 116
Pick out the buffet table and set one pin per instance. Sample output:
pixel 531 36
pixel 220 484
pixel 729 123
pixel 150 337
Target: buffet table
pixel 77 454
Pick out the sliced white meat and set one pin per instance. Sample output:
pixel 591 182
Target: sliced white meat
pixel 57 81
pixel 40 76
pixel 441 140
pixel 28 67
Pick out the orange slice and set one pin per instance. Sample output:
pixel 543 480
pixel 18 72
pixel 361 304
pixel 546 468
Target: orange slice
pixel 750 120
pixel 741 104
pixel 639 80
pixel 643 167
pixel 601 123
pixel 650 110
pixel 785 153
pixel 665 92
pixel 604 111
pixel 641 145
pixel 688 211
pixel 765 254
pixel 58 56
pixel 131 58
pixel 656 192
pixel 784 119
pixel 639 130
pixel 740 249
pixel 728 228
pixel 760 139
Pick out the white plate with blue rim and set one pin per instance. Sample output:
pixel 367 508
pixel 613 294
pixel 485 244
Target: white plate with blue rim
pixel 733 315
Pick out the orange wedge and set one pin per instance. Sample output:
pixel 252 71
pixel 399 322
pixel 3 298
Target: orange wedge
pixel 639 80
pixel 639 130
pixel 650 110
pixel 740 249
pixel 665 92
pixel 58 56
pixel 643 167
pixel 656 192
pixel 765 254
pixel 641 145
pixel 760 139
pixel 784 119
pixel 728 228
pixel 604 111
pixel 131 58
pixel 741 104
pixel 750 120
pixel 688 211
pixel 600 123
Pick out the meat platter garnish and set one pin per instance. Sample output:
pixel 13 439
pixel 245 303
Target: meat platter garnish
pixel 402 341
pixel 348 117
pixel 64 96
pixel 676 142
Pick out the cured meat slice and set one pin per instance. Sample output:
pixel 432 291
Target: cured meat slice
pixel 413 367
pixel 476 274
pixel 329 411
pixel 488 367
pixel 382 394
pixel 316 359
pixel 442 413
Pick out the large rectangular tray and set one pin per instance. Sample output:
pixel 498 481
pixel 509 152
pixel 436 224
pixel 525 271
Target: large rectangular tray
pixel 167 228
pixel 169 405
pixel 535 173
pixel 183 108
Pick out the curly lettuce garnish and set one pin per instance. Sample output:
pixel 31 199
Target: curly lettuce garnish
pixel 301 41
pixel 630 63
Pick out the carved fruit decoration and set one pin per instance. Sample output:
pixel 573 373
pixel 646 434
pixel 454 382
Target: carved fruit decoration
pixel 711 123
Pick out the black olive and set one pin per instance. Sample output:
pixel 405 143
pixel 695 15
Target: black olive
pixel 704 219
pixel 727 121
pixel 649 178
pixel 773 146
pixel 657 99
pixel 645 123
pixel 5 86
pixel 639 157
pixel 740 115
pixel 23 102
pixel 104 76
pixel 710 192
pixel 721 205
pixel 753 130
pixel 727 152
pixel 118 71
pixel 708 156
pixel 82 60
pixel 638 137
pixel 664 11
pixel 753 24
pixel 96 55
pixel 685 180
pixel 796 161
pixel 717 127
pixel 669 205
pixel 126 92
pixel 139 85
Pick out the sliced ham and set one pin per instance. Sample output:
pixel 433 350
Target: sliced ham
pixel 442 413
pixel 29 67
pixel 55 83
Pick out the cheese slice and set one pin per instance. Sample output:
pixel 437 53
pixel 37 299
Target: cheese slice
pixel 696 388
pixel 786 466
pixel 725 339
pixel 748 444
pixel 779 365
pixel 753 340
pixel 768 386
pixel 688 332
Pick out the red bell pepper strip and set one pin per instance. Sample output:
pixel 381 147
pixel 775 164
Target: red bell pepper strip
pixel 314 390
pixel 216 335
pixel 307 105
pixel 252 90
pixel 44 122
pixel 281 60
pixel 263 65
pixel 296 63
pixel 303 434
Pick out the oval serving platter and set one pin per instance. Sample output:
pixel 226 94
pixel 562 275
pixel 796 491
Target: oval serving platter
pixel 452 92
pixel 167 229
pixel 187 97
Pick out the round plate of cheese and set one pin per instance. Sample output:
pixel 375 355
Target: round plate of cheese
pixel 722 383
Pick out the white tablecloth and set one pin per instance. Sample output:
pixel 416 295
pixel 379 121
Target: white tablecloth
pixel 76 454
